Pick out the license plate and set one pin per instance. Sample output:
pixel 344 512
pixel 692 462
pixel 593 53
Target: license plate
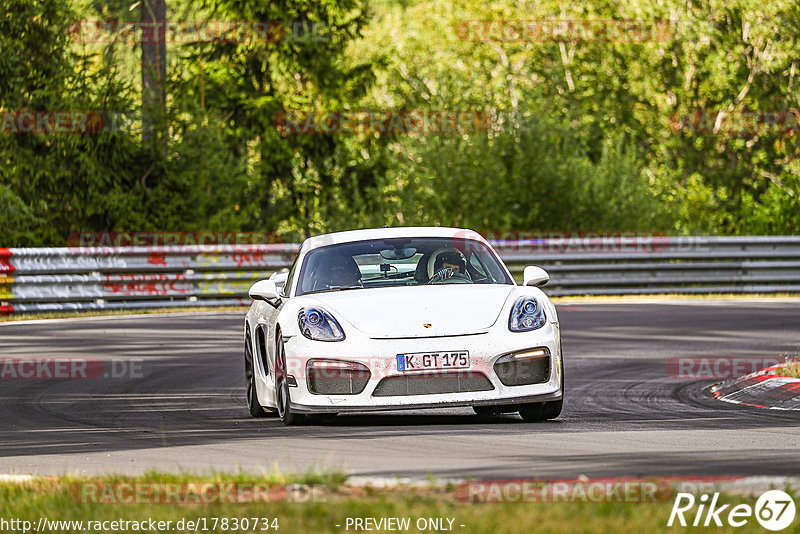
pixel 420 361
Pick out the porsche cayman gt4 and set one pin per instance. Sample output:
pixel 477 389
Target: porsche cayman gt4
pixel 402 318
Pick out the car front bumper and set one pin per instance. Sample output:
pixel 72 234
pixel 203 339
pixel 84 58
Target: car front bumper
pixel 380 357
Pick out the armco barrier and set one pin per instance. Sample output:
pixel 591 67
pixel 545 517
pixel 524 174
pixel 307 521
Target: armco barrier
pixel 50 279
pixel 652 265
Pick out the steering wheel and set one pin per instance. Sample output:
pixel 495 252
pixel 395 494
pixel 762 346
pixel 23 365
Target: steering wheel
pixel 449 276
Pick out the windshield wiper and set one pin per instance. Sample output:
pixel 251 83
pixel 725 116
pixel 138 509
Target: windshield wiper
pixel 339 288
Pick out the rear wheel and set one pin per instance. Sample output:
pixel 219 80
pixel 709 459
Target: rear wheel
pixel 253 404
pixel 282 396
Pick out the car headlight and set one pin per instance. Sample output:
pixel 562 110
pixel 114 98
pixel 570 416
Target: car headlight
pixel 319 325
pixel 526 314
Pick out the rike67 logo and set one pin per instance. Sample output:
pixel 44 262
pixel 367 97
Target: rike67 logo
pixel 774 510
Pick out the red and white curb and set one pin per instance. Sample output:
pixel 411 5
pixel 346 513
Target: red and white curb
pixel 763 389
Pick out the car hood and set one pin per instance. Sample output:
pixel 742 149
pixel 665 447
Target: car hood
pixel 402 312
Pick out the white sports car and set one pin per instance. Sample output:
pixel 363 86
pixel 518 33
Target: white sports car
pixel 402 318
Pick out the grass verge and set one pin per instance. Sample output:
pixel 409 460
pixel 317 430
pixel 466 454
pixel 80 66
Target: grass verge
pixel 333 503
pixel 791 370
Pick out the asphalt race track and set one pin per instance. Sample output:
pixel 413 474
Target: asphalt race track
pixel 184 409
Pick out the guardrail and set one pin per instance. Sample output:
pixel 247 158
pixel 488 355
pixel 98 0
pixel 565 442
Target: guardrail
pixel 50 279
pixel 659 265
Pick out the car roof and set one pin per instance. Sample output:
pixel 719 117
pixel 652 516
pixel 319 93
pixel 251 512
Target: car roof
pixel 388 233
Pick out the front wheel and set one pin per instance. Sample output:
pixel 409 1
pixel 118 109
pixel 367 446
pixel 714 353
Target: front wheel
pixel 552 409
pixel 282 396
pixel 542 411
pixel 532 413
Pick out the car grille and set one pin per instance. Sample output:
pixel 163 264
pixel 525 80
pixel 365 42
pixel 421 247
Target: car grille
pixel 432 384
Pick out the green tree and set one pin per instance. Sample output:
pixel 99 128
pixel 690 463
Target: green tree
pixel 293 181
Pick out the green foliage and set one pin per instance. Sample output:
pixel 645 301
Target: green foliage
pixel 538 175
pixel 611 106
pixel 582 136
pixel 18 222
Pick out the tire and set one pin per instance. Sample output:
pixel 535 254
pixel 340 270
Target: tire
pixel 552 409
pixel 282 395
pixel 532 413
pixel 536 413
pixel 253 404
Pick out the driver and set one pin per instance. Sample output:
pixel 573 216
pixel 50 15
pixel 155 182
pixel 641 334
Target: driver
pixel 449 263
pixel 341 271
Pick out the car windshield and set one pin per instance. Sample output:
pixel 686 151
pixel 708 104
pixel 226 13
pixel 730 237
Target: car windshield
pixel 399 262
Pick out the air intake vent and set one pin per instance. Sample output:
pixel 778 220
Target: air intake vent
pixel 524 368
pixel 432 384
pixel 330 377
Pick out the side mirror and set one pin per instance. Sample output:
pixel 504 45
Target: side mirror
pixel 534 276
pixel 264 290
pixel 279 277
pixel 280 280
